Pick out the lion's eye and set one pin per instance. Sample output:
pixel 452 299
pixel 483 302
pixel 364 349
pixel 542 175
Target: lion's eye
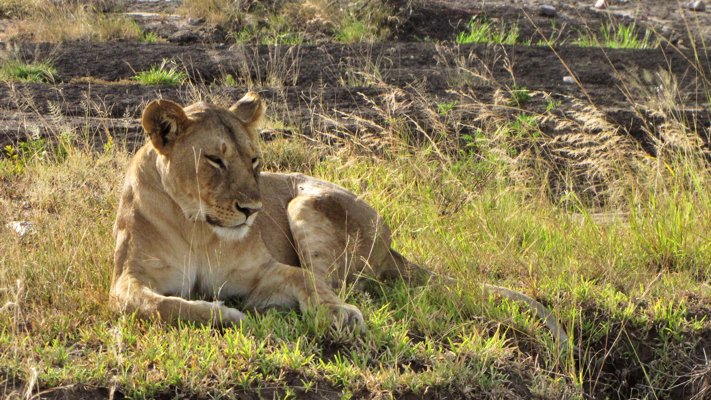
pixel 215 161
pixel 255 163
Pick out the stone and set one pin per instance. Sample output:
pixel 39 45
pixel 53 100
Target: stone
pixel 568 79
pixel 601 4
pixel 548 10
pixel 22 228
pixel 184 36
pixel 697 6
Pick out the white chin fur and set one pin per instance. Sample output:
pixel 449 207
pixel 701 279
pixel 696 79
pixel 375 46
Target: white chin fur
pixel 231 234
pixel 235 233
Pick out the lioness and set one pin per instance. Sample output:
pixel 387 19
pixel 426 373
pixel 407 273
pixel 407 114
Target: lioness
pixel 198 222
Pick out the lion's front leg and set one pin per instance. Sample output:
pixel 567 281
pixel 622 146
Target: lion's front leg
pixel 129 294
pixel 285 285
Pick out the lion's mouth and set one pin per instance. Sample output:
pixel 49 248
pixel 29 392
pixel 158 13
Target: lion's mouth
pixel 216 222
pixel 213 221
pixel 219 224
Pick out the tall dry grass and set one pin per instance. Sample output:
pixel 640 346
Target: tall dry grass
pixel 53 21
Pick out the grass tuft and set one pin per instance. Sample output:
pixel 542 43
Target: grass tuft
pixel 353 30
pixel 487 31
pixel 149 37
pixel 168 74
pixel 17 71
pixel 51 21
pixel 618 37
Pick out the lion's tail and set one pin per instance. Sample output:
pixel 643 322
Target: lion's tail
pixel 543 313
pixel 415 273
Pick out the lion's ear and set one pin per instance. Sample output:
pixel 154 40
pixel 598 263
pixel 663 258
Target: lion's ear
pixel 249 109
pixel 164 121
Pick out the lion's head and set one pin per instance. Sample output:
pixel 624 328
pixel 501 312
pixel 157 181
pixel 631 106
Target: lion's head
pixel 209 160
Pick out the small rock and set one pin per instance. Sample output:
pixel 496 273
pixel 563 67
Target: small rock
pixel 568 79
pixel 697 6
pixel 670 34
pixel 183 37
pixel 195 21
pixel 548 11
pixel 22 228
pixel 601 4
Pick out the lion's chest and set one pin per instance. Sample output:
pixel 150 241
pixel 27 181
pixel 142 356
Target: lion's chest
pixel 209 273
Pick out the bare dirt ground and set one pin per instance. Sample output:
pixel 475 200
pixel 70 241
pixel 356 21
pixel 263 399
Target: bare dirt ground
pixel 322 85
pixel 93 79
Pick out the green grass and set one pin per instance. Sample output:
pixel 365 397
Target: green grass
pixel 149 37
pixel 618 37
pixel 168 73
pixel 614 284
pixel 353 30
pixel 519 96
pixel 487 31
pixel 17 71
pixel 444 108
pixel 610 238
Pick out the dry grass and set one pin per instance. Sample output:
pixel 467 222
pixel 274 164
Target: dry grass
pixel 507 189
pixel 220 12
pixel 296 22
pixel 51 21
pixel 611 282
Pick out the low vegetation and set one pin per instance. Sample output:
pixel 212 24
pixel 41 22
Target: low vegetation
pixel 487 31
pixel 618 37
pixel 52 21
pixel 18 71
pixel 220 12
pixel 295 22
pixel 608 255
pixel 168 73
pixel 562 205
pixel 609 35
pixel 288 23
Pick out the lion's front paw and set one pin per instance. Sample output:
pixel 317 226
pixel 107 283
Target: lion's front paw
pixel 222 315
pixel 347 315
pixel 230 316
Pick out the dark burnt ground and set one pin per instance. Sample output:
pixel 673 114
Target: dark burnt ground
pixel 94 81
pixel 443 19
pixel 343 89
pixel 326 85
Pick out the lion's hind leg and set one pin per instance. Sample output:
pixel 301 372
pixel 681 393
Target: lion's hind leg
pixel 339 238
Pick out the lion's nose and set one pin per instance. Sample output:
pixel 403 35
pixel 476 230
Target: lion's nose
pixel 248 209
